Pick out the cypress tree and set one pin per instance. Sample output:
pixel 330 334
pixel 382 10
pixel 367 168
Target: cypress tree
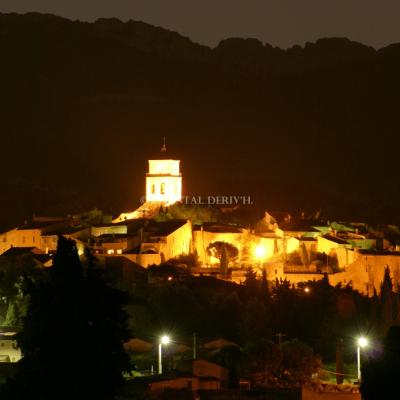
pixel 72 335
pixel 387 301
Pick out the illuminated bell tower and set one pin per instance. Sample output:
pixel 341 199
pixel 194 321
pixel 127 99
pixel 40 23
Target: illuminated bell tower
pixel 164 180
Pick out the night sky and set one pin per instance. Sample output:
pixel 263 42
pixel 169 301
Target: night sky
pixel 278 22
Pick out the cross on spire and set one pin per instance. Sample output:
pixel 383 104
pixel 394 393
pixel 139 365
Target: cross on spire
pixel 164 147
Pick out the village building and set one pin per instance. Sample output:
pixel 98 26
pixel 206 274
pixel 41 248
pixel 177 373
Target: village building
pixel 9 350
pixel 296 249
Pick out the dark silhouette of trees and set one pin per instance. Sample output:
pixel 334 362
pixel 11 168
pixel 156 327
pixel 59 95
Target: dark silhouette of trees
pixel 339 362
pixel 385 308
pixel 197 214
pixel 72 335
pixel 264 285
pixel 387 301
pixel 224 260
pixel 14 273
pixel 251 283
pixel 224 251
pixel 380 375
pixel 231 358
pixel 287 365
pixel 298 363
pixel 262 359
pixel 255 324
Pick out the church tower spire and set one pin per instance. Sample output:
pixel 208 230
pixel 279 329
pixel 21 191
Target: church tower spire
pixel 164 179
pixel 164 147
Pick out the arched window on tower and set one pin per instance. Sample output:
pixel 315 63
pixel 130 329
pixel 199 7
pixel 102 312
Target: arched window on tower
pixel 162 189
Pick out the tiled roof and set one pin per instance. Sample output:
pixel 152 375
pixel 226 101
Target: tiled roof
pixel 335 239
pixel 221 228
pixel 18 251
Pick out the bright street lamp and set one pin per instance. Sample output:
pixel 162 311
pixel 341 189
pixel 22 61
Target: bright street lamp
pixel 164 340
pixel 361 343
pixel 260 252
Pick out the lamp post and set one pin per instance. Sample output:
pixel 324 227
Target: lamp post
pixel 361 343
pixel 163 340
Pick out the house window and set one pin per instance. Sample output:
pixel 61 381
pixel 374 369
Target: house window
pixel 162 189
pixel 153 188
pixel 119 251
pixel 111 251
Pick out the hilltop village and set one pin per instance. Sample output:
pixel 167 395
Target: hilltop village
pixel 166 228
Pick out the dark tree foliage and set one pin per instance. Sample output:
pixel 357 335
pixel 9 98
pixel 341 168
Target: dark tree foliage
pixel 385 308
pixel 72 336
pixel 287 365
pixel 231 358
pixel 15 272
pixel 387 301
pixel 220 249
pixel 224 260
pixel 167 270
pixel 339 362
pixel 251 283
pixel 254 311
pixel 197 214
pixel 380 376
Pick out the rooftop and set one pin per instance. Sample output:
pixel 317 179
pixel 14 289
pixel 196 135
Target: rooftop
pixel 380 253
pixel 298 228
pixel 164 228
pixel 220 228
pixel 37 225
pixel 307 239
pixel 120 261
pixel 34 251
pixel 18 251
pixel 335 239
pixel 67 230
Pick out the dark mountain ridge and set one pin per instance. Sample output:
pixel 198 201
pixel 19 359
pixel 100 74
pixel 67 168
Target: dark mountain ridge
pixel 84 104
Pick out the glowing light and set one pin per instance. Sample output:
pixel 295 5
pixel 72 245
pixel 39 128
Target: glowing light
pixel 165 339
pixel 307 289
pixel 362 342
pixel 170 278
pixel 260 251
